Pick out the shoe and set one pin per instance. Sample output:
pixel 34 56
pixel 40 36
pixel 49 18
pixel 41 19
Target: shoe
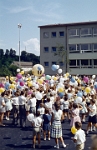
pixel 94 129
pixel 49 139
pixel 7 118
pixel 87 132
pixel 56 146
pixel 44 139
pixel 2 125
pixel 91 129
pixel 64 145
pixel 33 145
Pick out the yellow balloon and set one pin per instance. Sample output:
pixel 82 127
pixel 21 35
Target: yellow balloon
pixel 29 78
pixel 40 81
pixel 67 74
pixel 12 86
pixel 82 87
pixel 73 130
pixel 11 78
pixel 7 77
pixel 22 72
pixel 87 90
pixel 29 84
pixel 79 81
pixel 55 78
pixel 60 90
pixel 2 90
pixel 38 70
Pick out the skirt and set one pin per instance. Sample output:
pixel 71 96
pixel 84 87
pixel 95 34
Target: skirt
pixel 74 119
pixel 56 129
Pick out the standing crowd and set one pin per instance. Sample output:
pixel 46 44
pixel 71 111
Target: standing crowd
pixel 47 107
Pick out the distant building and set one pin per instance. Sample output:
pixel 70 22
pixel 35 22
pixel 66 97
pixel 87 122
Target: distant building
pixel 26 66
pixel 79 41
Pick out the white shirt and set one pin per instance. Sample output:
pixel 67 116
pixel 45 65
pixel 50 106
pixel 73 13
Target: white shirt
pixel 15 101
pixel 41 110
pixel 65 105
pixel 48 105
pixel 32 102
pixel 37 122
pixel 22 100
pixel 80 136
pixel 57 114
pixel 93 107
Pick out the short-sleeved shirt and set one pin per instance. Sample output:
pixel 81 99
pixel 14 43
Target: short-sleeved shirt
pixel 93 107
pixel 80 137
pixel 57 114
pixel 37 122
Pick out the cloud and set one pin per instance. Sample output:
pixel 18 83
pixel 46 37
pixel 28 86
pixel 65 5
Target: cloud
pixel 18 9
pixel 32 46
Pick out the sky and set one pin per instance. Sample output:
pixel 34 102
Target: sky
pixel 34 13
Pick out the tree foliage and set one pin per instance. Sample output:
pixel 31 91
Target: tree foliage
pixel 6 67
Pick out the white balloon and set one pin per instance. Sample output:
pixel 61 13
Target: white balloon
pixel 18 70
pixel 30 117
pixel 93 76
pixel 60 71
pixel 62 80
pixel 78 100
pixel 36 86
pixel 57 66
pixel 85 93
pixel 51 81
pixel 38 96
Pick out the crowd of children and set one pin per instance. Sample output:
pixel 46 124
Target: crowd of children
pixel 50 105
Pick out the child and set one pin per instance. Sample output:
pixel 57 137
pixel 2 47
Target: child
pixel 79 137
pixel 46 123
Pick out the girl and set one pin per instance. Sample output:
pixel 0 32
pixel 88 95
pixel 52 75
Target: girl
pixel 75 114
pixel 46 123
pixel 2 108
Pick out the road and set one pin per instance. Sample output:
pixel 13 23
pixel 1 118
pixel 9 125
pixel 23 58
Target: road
pixel 16 138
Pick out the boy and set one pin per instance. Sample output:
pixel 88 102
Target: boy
pixel 79 137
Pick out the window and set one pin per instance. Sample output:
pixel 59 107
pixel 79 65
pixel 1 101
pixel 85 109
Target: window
pixel 61 63
pixel 46 64
pixel 95 61
pixel 74 47
pixel 53 63
pixel 61 33
pixel 45 34
pixel 84 62
pixel 86 32
pixel 78 62
pixel 53 49
pixel 95 47
pixel 46 49
pixel 84 46
pixel 95 31
pixel 72 62
pixel 73 32
pixel 53 34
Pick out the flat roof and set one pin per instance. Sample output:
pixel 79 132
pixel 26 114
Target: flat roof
pixel 69 24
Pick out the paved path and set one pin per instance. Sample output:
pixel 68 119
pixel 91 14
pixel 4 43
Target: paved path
pixel 16 138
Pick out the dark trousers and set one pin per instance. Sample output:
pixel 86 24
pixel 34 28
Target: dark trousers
pixel 22 114
pixel 15 113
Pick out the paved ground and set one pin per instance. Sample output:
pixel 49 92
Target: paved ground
pixel 16 138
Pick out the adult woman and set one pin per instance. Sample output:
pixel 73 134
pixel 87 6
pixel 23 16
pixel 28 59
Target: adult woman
pixel 2 108
pixel 56 128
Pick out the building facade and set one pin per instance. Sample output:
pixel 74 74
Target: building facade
pixel 80 45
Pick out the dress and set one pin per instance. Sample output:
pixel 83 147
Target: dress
pixel 56 128
pixel 46 122
pixel 75 117
pixel 8 104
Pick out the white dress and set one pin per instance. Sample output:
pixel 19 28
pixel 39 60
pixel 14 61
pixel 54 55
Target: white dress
pixel 2 108
pixel 8 104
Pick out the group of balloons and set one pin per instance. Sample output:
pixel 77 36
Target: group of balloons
pixel 56 67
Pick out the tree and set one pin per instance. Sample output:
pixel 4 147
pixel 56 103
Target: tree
pixel 12 52
pixel 7 52
pixel 63 56
pixel 1 52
